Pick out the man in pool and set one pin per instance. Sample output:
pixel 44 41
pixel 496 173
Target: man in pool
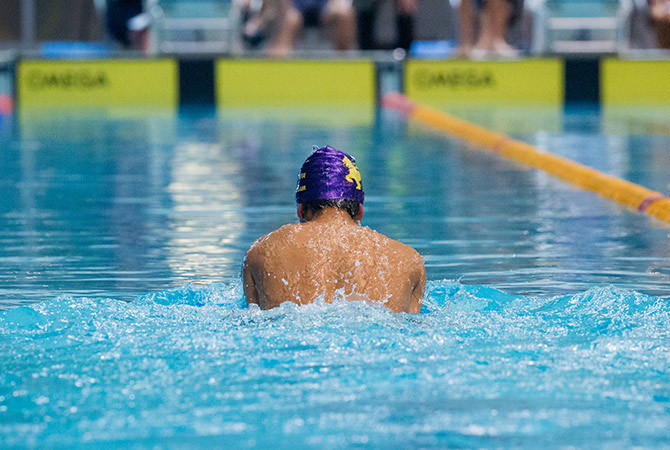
pixel 329 254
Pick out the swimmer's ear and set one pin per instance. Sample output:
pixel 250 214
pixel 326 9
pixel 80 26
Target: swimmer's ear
pixel 300 212
pixel 360 213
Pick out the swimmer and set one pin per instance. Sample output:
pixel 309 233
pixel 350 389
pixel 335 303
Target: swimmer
pixel 329 254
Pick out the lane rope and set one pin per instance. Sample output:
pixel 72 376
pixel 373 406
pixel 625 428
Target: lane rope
pixel 624 192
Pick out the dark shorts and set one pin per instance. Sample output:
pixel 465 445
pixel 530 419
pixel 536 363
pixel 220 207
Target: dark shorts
pixel 311 11
pixel 118 14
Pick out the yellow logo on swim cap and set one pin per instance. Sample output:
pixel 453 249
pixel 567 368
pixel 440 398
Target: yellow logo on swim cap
pixel 354 174
pixel 301 187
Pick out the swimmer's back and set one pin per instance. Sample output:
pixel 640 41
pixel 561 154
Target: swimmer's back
pixel 301 262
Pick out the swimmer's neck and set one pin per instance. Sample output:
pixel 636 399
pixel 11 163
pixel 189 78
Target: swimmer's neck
pixel 328 215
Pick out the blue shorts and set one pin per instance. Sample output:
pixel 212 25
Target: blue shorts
pixel 311 11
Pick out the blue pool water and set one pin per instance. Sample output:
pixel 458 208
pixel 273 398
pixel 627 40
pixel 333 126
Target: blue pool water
pixel 546 321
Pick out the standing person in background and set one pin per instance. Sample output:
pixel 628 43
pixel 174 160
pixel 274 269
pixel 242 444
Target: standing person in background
pixel 294 15
pixel 10 20
pixel 256 23
pixel 494 18
pixel 466 17
pixel 366 17
pixel 127 23
pixel 659 10
pixel 62 21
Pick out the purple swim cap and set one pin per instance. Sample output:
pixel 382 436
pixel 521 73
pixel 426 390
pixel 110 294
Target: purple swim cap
pixel 327 174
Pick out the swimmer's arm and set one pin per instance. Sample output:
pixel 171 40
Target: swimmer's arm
pixel 250 291
pixel 419 288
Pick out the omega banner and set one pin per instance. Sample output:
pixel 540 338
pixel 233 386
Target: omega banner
pixel 254 82
pixel 103 83
pixel 635 82
pixel 526 81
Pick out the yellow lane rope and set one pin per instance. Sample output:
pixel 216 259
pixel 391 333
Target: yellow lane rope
pixel 622 191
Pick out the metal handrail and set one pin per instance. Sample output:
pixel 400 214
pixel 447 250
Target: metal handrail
pixel 624 25
pixel 592 23
pixel 27 23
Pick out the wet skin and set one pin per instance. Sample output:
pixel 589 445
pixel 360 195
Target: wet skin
pixel 330 254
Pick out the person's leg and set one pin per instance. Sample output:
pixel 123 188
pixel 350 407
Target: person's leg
pixel 405 27
pixel 495 18
pixel 660 15
pixel 366 15
pixel 257 23
pixel 289 26
pixel 339 14
pixel 406 10
pixel 501 11
pixel 466 28
pixel 10 21
pixel 118 15
pixel 485 40
pixel 663 34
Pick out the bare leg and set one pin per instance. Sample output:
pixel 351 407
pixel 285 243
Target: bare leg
pixel 340 15
pixel 660 15
pixel 467 29
pixel 289 26
pixel 261 18
pixel 484 45
pixel 494 21
pixel 501 11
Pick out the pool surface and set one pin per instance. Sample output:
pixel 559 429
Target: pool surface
pixel 546 322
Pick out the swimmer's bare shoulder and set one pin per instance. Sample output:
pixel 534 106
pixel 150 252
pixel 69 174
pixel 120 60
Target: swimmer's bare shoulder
pixel 329 254
pixel 258 257
pixel 403 266
pixel 410 274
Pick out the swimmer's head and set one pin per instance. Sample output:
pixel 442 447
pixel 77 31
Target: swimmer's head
pixel 329 174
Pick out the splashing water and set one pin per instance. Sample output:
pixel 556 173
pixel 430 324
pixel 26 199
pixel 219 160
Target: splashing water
pixel 194 368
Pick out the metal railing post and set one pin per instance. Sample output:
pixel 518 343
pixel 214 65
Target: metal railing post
pixel 27 23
